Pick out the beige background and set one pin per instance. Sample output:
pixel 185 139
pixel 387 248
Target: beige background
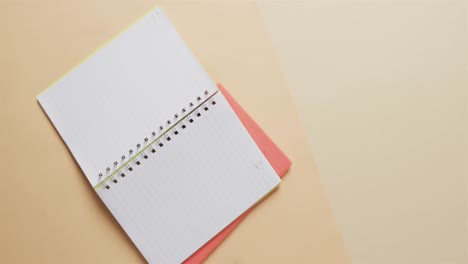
pixel 49 212
pixel 381 87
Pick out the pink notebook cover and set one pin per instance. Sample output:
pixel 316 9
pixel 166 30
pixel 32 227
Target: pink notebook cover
pixel 273 154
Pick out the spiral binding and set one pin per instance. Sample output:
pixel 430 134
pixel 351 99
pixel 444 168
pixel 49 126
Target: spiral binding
pixel 151 143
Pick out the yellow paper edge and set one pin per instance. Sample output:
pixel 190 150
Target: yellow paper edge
pixel 98 49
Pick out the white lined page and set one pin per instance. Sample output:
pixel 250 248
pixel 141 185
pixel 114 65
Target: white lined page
pixel 189 190
pixel 123 92
pixel 196 184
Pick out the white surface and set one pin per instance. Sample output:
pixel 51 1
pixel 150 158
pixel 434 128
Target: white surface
pixel 193 187
pixel 117 97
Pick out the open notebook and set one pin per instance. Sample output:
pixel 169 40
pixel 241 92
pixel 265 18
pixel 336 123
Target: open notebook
pixel 157 140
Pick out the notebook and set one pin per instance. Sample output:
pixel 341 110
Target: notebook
pixel 278 160
pixel 157 140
